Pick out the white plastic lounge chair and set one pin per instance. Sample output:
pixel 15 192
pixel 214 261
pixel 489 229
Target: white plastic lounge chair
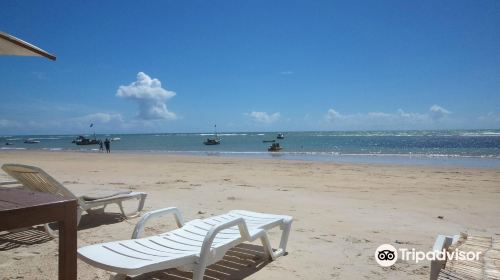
pixel 442 242
pixel 191 247
pixel 35 179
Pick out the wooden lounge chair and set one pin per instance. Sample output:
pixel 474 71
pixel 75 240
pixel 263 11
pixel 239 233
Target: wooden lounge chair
pixel 487 266
pixel 191 247
pixel 35 179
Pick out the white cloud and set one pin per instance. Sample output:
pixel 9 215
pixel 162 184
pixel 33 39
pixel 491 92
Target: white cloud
pixel 101 121
pixel 437 112
pixel 263 117
pixel 150 96
pixel 412 117
pixel 391 120
pixel 490 120
pixel 332 115
pixel 288 72
pixel 99 118
pixel 487 117
pixel 4 123
pixel 379 115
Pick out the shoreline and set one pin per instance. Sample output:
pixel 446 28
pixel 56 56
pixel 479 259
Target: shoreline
pixel 411 160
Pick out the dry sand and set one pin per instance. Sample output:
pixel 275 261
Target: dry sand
pixel 342 212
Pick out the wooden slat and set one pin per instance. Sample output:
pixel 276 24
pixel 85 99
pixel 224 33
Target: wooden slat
pixel 487 267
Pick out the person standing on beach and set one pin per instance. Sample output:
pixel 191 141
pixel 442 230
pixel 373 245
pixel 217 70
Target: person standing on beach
pixel 101 148
pixel 107 143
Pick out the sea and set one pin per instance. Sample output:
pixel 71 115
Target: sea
pixel 465 148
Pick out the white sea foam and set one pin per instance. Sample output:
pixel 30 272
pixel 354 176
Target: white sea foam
pixel 52 149
pixel 45 138
pixel 223 134
pixel 479 134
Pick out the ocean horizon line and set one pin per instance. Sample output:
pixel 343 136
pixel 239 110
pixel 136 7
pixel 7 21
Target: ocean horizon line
pixel 494 131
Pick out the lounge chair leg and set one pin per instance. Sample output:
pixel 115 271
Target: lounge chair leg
pixel 198 272
pixel 54 233
pixel 142 198
pixel 121 208
pixel 141 203
pixel 285 228
pixel 50 232
pixel 268 249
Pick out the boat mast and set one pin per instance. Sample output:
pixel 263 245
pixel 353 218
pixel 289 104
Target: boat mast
pixel 92 126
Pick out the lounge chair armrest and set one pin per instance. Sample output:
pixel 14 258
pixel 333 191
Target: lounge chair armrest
pixel 442 243
pixel 139 228
pixel 439 244
pixel 209 238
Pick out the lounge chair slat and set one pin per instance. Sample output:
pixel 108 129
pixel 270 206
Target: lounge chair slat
pixel 181 240
pixel 124 248
pixel 197 231
pixel 162 241
pixel 257 222
pixel 251 222
pixel 155 247
pixel 138 247
pixel 255 215
pixel 203 227
pixel 129 264
pixel 189 237
pixel 206 226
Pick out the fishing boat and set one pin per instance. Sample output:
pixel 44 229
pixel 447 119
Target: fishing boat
pixel 213 141
pixel 275 147
pixel 31 141
pixel 280 136
pixel 82 140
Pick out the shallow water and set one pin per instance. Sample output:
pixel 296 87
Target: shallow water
pixel 471 148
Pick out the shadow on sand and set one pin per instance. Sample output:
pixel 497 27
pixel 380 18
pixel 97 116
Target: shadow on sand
pixel 94 220
pixel 238 263
pixel 37 235
pixel 31 236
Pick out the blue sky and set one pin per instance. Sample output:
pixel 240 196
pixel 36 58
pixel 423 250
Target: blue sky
pixel 182 66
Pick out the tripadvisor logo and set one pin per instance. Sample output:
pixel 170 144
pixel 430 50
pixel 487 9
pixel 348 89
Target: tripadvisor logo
pixel 387 255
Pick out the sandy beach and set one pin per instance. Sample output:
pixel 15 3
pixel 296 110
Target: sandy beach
pixel 342 212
